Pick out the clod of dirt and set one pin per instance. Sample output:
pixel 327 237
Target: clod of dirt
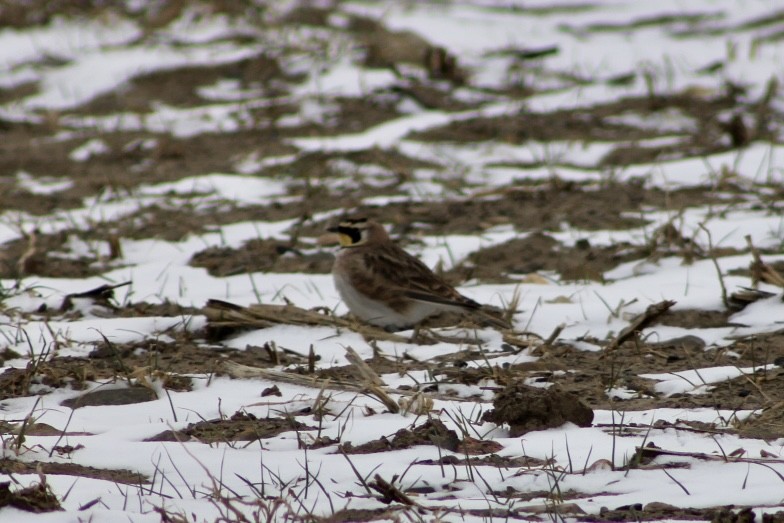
pixel 527 408
pixel 472 446
pixel 125 396
pixel 55 373
pixel 37 254
pixel 491 460
pixel 240 427
pixel 128 477
pixel 348 515
pixel 695 318
pixel 649 512
pixel 727 515
pixel 768 425
pixel 35 498
pixel 432 432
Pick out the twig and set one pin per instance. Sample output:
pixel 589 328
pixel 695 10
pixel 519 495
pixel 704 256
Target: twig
pixel 390 493
pixel 640 322
pixel 554 335
pixel 372 382
pixel 365 371
pixel 677 482
pixel 356 472
pixel 653 452
pixel 712 255
pixel 761 271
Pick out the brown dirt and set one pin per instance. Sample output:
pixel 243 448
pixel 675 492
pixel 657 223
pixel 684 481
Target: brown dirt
pixel 540 252
pixel 146 360
pixel 432 432
pixel 242 426
pixel 11 466
pixel 35 498
pixel 526 408
pixel 119 396
pixel 543 207
pixel 261 256
pixel 179 87
pixel 594 124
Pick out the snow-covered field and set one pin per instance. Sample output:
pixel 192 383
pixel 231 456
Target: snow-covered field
pixel 199 153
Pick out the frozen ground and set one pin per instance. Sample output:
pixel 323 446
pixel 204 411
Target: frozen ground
pixel 573 163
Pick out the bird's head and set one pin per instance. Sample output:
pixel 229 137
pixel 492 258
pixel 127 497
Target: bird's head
pixel 353 232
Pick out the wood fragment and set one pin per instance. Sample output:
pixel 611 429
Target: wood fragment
pixel 390 493
pixel 365 371
pixel 311 360
pixel 272 352
pixel 761 271
pixel 640 322
pixel 30 259
pixel 554 335
pixel 372 382
pixel 653 452
pixel 115 247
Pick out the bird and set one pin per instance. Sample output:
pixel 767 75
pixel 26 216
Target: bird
pixel 385 286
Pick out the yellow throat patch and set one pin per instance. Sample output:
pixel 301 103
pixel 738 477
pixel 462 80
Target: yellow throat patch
pixel 345 240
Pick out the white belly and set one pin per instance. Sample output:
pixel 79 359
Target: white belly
pixel 377 313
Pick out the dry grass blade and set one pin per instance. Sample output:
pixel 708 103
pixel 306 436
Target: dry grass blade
pixel 769 424
pixel 373 384
pixel 653 452
pixel 368 374
pixel 224 314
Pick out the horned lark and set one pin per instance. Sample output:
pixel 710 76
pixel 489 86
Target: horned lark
pixel 385 286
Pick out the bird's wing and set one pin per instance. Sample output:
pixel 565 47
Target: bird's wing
pixel 408 275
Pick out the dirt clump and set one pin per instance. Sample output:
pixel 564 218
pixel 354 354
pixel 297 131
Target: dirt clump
pixel 12 466
pixel 35 498
pixel 180 87
pixel 526 409
pixel 241 426
pixel 432 432
pixel 118 396
pixel 695 318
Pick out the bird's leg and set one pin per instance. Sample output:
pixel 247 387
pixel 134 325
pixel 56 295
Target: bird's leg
pixel 415 335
